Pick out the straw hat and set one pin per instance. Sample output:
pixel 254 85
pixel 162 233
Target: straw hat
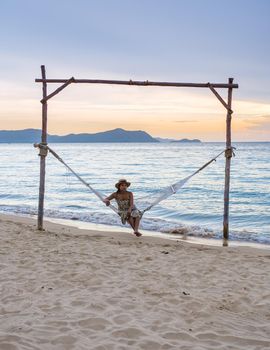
pixel 122 181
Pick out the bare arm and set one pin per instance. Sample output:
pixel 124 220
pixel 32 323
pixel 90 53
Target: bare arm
pixel 107 199
pixel 131 201
pixel 112 196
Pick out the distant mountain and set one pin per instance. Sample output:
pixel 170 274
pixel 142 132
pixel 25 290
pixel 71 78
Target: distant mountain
pixel 20 136
pixel 116 135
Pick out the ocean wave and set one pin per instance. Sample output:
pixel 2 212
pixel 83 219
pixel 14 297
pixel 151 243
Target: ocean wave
pixel 148 223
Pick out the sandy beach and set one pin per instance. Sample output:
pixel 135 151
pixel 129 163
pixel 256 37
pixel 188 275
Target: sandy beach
pixel 67 288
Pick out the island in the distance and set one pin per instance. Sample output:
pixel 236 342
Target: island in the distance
pixel 188 140
pixel 160 139
pixel 115 135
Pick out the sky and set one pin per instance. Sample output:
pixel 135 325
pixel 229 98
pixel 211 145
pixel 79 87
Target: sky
pixel 173 40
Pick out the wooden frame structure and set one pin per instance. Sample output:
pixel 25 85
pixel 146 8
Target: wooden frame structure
pixel 65 82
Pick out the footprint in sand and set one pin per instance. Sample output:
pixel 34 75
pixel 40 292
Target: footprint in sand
pixel 95 323
pixel 130 333
pixel 122 319
pixel 65 340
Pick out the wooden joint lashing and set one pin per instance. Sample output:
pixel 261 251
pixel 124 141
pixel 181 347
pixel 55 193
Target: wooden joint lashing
pixel 43 148
pixel 229 152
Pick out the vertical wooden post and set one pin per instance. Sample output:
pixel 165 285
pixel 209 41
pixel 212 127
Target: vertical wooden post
pixel 42 154
pixel 228 155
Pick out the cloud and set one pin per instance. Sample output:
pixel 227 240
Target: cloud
pixel 259 123
pixel 186 121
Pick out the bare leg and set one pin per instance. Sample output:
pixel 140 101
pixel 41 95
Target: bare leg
pixel 134 223
pixel 131 222
pixel 136 226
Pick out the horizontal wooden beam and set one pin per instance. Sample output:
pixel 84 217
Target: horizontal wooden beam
pixel 139 83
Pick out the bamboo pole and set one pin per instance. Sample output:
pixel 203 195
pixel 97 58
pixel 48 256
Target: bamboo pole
pixel 228 155
pixel 140 83
pixel 42 153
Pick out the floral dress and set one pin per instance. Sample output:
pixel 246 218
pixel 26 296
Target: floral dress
pixel 123 206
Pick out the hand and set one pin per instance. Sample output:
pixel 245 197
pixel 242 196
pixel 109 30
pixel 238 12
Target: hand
pixel 107 202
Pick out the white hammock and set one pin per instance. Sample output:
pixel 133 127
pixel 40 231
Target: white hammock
pixel 144 203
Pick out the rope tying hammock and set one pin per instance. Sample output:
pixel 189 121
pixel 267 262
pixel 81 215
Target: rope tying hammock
pixel 164 193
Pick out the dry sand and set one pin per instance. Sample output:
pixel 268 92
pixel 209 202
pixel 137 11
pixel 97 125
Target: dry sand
pixel 67 288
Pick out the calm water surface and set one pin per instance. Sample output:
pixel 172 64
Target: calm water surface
pixel 198 207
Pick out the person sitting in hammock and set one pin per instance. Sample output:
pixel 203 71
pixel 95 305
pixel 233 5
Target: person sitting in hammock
pixel 126 208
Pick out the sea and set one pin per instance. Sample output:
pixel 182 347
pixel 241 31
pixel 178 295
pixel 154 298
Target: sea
pixel 196 209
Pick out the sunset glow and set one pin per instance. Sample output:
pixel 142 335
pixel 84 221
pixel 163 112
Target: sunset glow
pixel 128 45
pixel 161 112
